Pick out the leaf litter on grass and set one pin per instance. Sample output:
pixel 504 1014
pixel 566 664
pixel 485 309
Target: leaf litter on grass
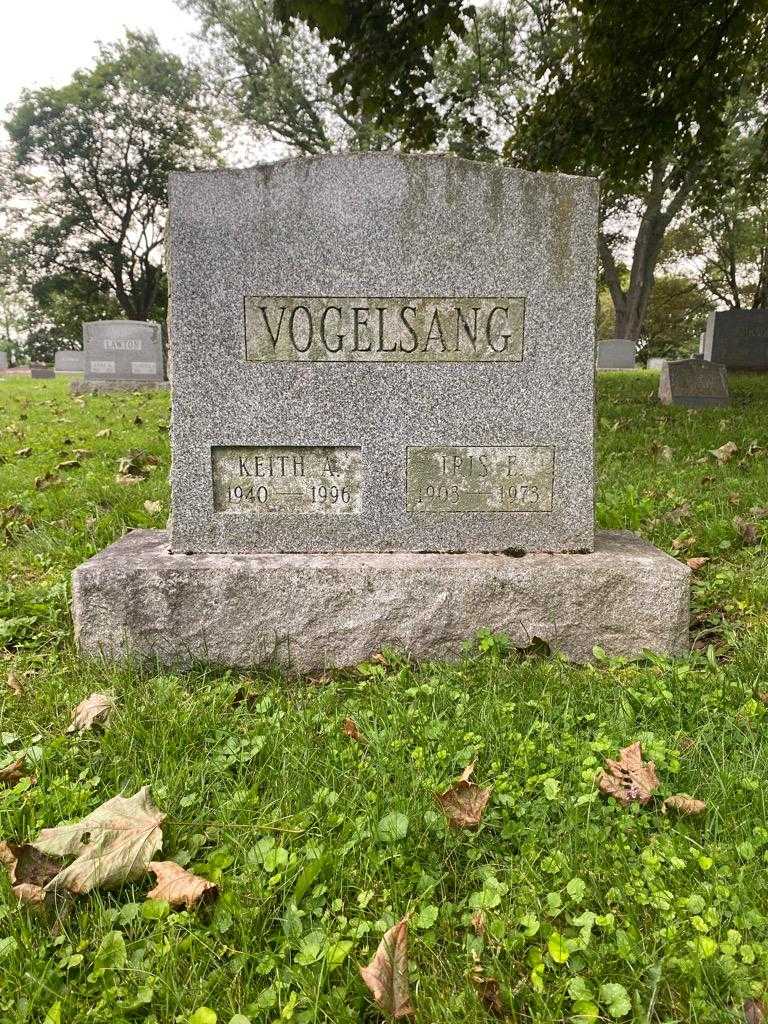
pixel 464 802
pixel 386 976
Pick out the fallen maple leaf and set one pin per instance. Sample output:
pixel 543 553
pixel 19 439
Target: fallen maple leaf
pixel 349 728
pixel 29 870
pixel 489 993
pixel 696 563
pixel 94 710
pixel 464 802
pixel 725 452
pixel 112 845
pixel 682 803
pixel 178 887
pixel 630 778
pixel 386 976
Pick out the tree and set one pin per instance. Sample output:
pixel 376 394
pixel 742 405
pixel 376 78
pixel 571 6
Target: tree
pixel 641 95
pixel 725 235
pixel 384 52
pixel 647 103
pixel 278 79
pixel 92 164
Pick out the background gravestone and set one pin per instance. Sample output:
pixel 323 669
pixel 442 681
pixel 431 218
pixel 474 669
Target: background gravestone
pixel 379 352
pixel 69 360
pixel 655 364
pixel 693 383
pixel 125 350
pixel 40 371
pixel 3 361
pixel 738 339
pixel 616 354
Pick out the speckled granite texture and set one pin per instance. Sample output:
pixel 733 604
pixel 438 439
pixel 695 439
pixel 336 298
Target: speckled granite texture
pixel 123 350
pixel 737 338
pixel 315 610
pixel 378 225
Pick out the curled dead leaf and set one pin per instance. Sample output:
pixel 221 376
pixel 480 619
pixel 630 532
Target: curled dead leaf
pixel 29 870
pixel 49 479
pixel 13 684
pixel 350 728
pixel 23 453
pixel 68 464
pixel 725 452
pixel 106 432
pixel 696 563
pixel 386 976
pixel 683 804
pixel 179 887
pixel 153 508
pixel 478 922
pixel 94 710
pixel 489 994
pixel 13 772
pixel 747 531
pixel 112 845
pixel 464 802
pixel 755 1011
pixel 630 778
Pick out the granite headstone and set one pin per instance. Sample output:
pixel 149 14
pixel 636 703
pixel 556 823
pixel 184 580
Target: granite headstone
pixel 68 360
pixel 616 354
pixel 127 350
pixel 693 383
pixel 3 361
pixel 382 352
pixel 737 339
pixel 40 371
pixel 655 364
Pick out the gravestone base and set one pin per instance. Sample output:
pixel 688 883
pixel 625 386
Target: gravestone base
pixel 313 611
pixel 101 387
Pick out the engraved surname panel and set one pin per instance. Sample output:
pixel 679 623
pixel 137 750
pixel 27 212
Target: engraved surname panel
pixel 102 365
pixel 389 330
pixel 286 480
pixel 460 478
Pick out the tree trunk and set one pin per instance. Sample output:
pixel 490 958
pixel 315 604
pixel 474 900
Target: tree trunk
pixel 631 304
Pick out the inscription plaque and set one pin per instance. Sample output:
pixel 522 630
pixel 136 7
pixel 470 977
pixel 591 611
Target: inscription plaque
pixel 458 478
pixel 287 480
pixel 145 368
pixel 102 365
pixel 390 330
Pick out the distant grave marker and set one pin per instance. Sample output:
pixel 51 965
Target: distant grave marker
pixel 693 383
pixel 737 339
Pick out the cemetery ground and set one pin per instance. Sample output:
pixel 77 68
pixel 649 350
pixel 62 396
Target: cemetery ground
pixel 310 803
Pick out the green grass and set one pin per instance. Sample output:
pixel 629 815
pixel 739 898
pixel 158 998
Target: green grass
pixel 263 792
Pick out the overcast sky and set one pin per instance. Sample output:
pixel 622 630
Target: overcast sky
pixel 43 41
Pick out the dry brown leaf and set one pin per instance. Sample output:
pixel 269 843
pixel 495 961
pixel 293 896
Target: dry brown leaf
pixel 49 479
pixel 11 774
pixel 725 452
pixel 630 778
pixel 747 531
pixel 104 433
pixel 154 508
pixel 349 728
pixel 676 515
pixel 489 993
pixel 23 453
pixel 112 845
pixel 29 870
pixel 125 479
pixel 180 888
pixel 464 802
pixel 696 563
pixel 386 976
pixel 754 1011
pixel 68 464
pixel 478 922
pixel 758 513
pixel 94 710
pixel 683 804
pixel 13 684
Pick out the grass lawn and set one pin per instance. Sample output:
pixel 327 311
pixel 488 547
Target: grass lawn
pixel 319 843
